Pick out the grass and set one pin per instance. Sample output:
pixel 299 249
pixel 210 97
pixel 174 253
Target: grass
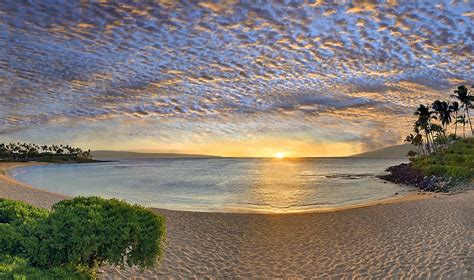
pixel 456 161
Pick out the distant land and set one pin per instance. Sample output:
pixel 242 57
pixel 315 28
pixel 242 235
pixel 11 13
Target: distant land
pixel 125 154
pixel 397 151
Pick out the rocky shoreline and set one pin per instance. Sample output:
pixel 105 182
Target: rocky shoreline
pixel 405 174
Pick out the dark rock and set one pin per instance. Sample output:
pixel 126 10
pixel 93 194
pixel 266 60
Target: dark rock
pixel 405 174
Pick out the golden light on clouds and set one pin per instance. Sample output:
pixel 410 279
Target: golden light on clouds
pixel 310 78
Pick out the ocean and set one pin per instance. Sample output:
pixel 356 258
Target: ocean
pixel 222 184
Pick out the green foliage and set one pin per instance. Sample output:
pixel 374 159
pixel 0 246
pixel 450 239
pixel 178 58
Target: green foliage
pixel 456 161
pixel 91 230
pixel 432 126
pixel 33 152
pixel 11 241
pixel 78 235
pixel 16 221
pixel 19 268
pixel 17 212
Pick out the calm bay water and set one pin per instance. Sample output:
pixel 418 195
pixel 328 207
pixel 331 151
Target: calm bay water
pixel 223 184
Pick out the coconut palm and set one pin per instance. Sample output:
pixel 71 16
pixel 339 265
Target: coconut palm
pixel 462 120
pixel 454 109
pixel 27 151
pixel 411 154
pixel 465 98
pixel 424 122
pixel 416 140
pixel 440 138
pixel 442 109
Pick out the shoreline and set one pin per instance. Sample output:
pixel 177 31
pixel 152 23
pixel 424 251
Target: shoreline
pixel 15 190
pixel 422 238
pixel 409 195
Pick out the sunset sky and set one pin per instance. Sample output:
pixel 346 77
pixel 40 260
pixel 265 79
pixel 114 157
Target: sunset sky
pixel 231 78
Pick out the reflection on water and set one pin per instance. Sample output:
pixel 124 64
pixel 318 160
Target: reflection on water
pixel 280 184
pixel 277 185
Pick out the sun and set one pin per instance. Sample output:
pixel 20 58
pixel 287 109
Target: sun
pixel 280 155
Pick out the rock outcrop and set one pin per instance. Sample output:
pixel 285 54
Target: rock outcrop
pixel 405 174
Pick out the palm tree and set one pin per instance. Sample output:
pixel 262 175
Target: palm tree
pixel 441 108
pixel 28 151
pixel 464 97
pixel 454 109
pixel 411 154
pixel 440 138
pixel 462 120
pixel 424 122
pixel 415 140
pixel 418 140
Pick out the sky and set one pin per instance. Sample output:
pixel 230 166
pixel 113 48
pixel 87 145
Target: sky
pixel 230 78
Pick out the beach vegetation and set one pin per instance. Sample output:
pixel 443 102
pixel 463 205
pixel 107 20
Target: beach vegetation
pixel 13 267
pixel 92 231
pixel 456 161
pixel 433 130
pixel 441 149
pixel 17 212
pixel 32 152
pixel 76 237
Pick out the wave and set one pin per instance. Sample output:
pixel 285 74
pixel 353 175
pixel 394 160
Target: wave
pixel 349 176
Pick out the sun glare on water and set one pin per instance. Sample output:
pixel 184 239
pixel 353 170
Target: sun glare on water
pixel 279 155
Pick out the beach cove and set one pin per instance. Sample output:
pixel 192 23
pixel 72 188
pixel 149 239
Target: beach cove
pixel 405 237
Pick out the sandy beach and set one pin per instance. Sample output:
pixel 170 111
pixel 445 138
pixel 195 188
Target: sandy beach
pixel 406 237
pixel 12 189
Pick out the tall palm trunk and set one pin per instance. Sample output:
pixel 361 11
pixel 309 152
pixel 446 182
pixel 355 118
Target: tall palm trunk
pixel 469 120
pixel 432 141
pixel 430 145
pixel 456 124
pixel 427 143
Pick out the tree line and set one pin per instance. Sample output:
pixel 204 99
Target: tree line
pixel 433 123
pixel 33 152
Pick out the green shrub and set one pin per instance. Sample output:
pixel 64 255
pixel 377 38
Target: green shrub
pixel 17 212
pixel 78 233
pixel 91 231
pixel 10 240
pixel 453 171
pixel 459 171
pixel 456 161
pixel 19 268
pixel 16 219
pixel 469 160
pixel 434 169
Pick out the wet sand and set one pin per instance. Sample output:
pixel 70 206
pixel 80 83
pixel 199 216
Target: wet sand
pixel 400 238
pixel 12 189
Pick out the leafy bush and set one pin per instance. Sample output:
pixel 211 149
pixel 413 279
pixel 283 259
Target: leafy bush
pixel 19 268
pixel 459 171
pixel 456 161
pixel 16 219
pixel 77 235
pixel 91 231
pixel 10 239
pixel 17 212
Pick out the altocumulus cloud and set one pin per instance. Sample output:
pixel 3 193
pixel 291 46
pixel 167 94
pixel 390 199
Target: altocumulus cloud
pixel 173 70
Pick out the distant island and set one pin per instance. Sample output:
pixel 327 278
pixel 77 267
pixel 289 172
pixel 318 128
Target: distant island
pixel 23 152
pixel 126 154
pixel 396 151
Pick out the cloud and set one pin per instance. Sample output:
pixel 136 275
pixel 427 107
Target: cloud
pixel 228 61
